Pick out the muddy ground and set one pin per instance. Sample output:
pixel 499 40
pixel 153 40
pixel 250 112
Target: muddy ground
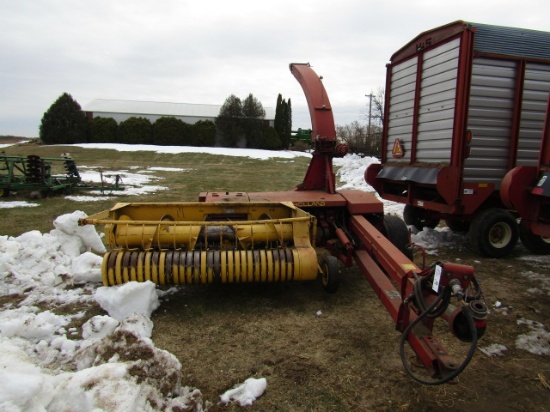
pixel 339 352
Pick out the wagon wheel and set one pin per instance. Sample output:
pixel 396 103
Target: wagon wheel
pixel 4 192
pixel 330 274
pixel 415 216
pixel 535 243
pixel 397 232
pixel 460 226
pixel 494 233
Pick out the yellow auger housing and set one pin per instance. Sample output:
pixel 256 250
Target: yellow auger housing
pixel 192 243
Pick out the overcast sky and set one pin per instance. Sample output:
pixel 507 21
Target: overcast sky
pixel 202 51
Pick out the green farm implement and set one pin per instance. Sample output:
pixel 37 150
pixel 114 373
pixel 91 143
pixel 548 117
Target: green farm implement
pixel 44 176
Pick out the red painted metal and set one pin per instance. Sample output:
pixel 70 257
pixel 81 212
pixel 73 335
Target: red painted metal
pixel 464 76
pixel 386 121
pixel 519 189
pixel 516 116
pixel 350 222
pixel 320 175
pixel 390 258
pixel 320 110
pixel 450 195
pixel 514 191
pixel 384 266
pixel 544 158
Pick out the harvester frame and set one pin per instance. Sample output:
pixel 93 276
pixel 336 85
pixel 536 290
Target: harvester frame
pixel 350 224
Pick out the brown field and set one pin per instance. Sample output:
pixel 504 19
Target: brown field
pixel 347 357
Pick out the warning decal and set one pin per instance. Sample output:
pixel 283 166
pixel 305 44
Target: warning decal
pixel 397 149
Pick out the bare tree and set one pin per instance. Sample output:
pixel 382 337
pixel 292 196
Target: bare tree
pixel 354 135
pixel 374 115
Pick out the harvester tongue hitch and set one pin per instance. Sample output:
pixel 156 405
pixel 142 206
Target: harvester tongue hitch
pixel 235 237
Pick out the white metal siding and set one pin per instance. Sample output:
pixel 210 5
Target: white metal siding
pixel 535 96
pixel 490 119
pixel 400 124
pixel 437 103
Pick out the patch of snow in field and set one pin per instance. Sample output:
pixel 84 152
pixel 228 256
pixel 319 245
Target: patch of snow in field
pixel 536 341
pixel 15 204
pixel 222 151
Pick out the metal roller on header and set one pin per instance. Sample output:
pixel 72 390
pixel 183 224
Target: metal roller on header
pixel 234 237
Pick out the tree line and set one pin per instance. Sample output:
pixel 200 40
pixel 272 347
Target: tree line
pixel 239 124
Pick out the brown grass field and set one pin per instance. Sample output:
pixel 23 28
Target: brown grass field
pixel 344 359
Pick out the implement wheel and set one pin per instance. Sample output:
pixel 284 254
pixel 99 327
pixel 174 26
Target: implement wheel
pixel 397 232
pixel 415 216
pixel 330 274
pixel 459 226
pixel 4 192
pixel 494 233
pixel 535 243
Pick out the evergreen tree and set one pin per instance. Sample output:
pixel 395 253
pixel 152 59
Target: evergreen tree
pixel 287 125
pixel 135 130
pixel 204 133
pixel 277 124
pixel 283 120
pixel 64 122
pixel 271 139
pixel 103 130
pixel 253 121
pixel 170 131
pixel 229 121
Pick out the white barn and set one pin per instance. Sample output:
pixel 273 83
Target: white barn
pixel 121 110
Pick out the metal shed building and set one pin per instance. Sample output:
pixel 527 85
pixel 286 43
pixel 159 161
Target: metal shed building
pixel 121 110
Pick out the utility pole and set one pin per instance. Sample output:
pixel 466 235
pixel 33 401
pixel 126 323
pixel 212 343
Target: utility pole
pixel 370 117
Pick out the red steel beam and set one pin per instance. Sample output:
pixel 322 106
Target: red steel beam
pixel 390 258
pixel 381 262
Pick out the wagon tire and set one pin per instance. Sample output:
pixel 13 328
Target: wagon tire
pixel 459 226
pixel 494 233
pixel 416 216
pixel 535 243
pixel 397 232
pixel 330 275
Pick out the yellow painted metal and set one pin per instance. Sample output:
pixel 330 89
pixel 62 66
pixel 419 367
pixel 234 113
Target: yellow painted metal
pixel 140 276
pixel 192 243
pixel 228 266
pixel 182 225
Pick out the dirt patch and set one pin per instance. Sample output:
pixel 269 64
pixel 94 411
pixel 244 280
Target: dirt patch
pixel 322 352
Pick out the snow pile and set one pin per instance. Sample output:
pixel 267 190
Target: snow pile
pixel 109 362
pixel 130 297
pixel 246 393
pixel 494 349
pixel 42 266
pixel 432 239
pixel 537 341
pixel 352 171
pixel 540 279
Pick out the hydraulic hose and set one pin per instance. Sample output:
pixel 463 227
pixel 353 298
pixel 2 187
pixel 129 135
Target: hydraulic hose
pixel 468 313
pixel 436 310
